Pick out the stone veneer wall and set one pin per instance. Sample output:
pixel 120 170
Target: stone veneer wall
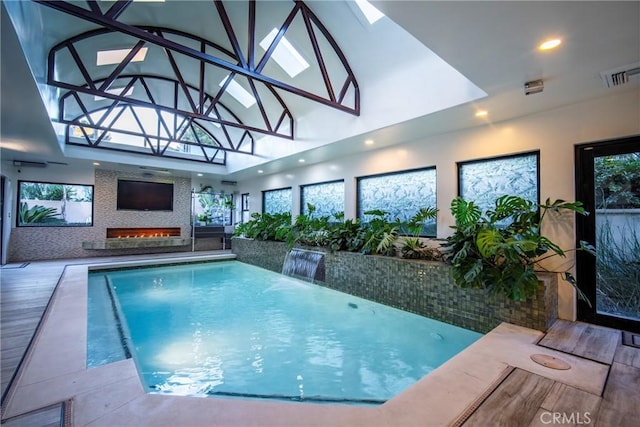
pixel 39 243
pixel 422 287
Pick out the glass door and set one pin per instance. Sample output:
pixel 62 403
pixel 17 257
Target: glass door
pixel 608 183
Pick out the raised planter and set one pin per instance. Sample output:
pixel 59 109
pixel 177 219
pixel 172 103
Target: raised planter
pixel 422 287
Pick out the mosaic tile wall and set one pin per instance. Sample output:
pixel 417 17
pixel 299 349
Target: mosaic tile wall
pixel 38 243
pixel 421 287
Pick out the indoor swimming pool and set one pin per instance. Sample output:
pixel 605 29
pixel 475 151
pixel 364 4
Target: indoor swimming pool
pixel 227 328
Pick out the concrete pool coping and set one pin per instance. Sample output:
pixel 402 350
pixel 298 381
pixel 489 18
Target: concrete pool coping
pixel 54 370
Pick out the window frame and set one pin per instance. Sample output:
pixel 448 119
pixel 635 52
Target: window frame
pixel 35 225
pixel 276 189
pixel 535 153
pixel 360 213
pixel 302 187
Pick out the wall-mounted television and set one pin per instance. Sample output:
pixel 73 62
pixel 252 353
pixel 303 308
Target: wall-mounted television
pixel 144 195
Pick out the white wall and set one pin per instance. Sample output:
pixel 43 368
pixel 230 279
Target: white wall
pixel 554 133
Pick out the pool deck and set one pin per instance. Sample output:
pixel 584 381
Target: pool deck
pixel 469 389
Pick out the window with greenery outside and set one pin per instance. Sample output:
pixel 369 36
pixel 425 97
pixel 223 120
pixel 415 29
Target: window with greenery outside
pixel 54 205
pixel 213 208
pixel 617 203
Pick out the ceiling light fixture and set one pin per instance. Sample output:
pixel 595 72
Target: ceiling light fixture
pixel 372 14
pixel 199 174
pixel 482 113
pixel 116 56
pixel 96 164
pixel 301 160
pixel 369 142
pixel 550 44
pixel 285 55
pixel 238 92
pixel 260 171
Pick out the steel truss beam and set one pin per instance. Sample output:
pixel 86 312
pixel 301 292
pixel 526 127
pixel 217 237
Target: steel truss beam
pixel 239 139
pixel 201 105
pixel 243 67
pixel 96 133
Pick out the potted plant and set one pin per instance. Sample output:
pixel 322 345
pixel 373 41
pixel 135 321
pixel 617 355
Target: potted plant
pixel 500 250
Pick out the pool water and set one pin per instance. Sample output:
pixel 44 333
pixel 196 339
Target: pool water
pixel 232 329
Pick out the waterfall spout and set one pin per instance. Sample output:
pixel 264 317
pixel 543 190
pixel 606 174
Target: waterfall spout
pixel 303 264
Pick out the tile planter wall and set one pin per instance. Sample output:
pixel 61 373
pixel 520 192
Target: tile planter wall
pixel 422 287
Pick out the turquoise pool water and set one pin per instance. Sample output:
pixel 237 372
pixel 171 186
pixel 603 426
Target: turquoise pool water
pixel 231 329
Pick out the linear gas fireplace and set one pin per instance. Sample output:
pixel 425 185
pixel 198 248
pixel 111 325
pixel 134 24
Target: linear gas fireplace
pixel 139 237
pixel 142 232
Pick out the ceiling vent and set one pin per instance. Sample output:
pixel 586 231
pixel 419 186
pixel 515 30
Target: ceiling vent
pixel 622 75
pixel 23 163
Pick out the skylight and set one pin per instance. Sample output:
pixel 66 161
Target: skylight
pixel 238 92
pixel 285 55
pixel 369 11
pixel 115 56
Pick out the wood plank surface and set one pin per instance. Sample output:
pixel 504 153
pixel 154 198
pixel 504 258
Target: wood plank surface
pixel 47 417
pixel 24 295
pixel 621 400
pixel 514 403
pixel 582 339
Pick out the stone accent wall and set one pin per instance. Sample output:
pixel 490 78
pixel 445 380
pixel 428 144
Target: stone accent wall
pixel 421 287
pixel 39 243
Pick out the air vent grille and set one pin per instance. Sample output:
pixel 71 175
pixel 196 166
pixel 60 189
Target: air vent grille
pixel 621 75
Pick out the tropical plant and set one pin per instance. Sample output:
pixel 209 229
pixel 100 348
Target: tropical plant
pixel 309 229
pixel 344 235
pixel 379 234
pixel 617 181
pixel 412 246
pixel 500 250
pixel 35 214
pixel 265 226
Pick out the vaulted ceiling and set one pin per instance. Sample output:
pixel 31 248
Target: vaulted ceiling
pixel 423 69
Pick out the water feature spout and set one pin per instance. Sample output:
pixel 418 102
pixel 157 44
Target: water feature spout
pixel 304 264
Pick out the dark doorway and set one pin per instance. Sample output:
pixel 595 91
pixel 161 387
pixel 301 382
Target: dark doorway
pixel 608 183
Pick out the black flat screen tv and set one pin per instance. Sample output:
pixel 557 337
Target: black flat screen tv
pixel 144 196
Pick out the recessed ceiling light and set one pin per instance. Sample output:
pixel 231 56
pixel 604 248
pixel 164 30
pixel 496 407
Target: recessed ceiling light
pixel 550 44
pixel 96 164
pixel 260 171
pixel 482 113
pixel 238 92
pixel 285 55
pixel 107 57
pixel 199 174
pixel 369 142
pixel 369 11
pixel 301 160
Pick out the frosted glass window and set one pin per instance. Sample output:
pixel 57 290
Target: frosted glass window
pixel 483 181
pixel 277 201
pixel 401 194
pixel 326 197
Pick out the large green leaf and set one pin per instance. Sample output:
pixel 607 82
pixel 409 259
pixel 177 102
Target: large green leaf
pixel 488 241
pixel 465 213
